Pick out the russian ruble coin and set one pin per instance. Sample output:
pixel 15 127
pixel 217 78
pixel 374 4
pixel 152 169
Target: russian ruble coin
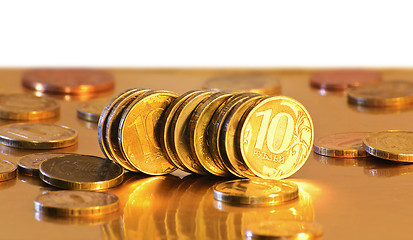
pixel 7 170
pixel 81 172
pixel 255 191
pixel 345 145
pixel 198 133
pixel 180 134
pixel 394 145
pixel 276 137
pixel 342 79
pixel 76 203
pixel 30 164
pixel 91 110
pixel 37 136
pixel 284 229
pixel 256 83
pixel 382 94
pixel 166 134
pixel 27 107
pixel 139 132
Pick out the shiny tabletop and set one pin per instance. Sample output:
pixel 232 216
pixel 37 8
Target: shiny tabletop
pixel 364 198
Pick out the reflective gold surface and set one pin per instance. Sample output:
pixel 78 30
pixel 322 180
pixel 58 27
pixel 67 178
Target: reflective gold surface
pixel 366 198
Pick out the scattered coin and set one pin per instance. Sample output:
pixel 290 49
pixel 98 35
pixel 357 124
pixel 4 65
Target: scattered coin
pixel 256 83
pixel 346 145
pixel 91 110
pixel 30 164
pixel 27 107
pixel 255 191
pixel 68 81
pixel 392 145
pixel 382 94
pixel 37 136
pixel 76 203
pixel 7 170
pixel 284 229
pixel 341 79
pixel 81 172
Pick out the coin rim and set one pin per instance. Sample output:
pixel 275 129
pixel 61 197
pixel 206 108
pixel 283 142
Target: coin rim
pixel 5 176
pixel 340 153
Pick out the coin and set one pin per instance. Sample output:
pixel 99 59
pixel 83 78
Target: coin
pixel 392 145
pixel 284 229
pixel 7 170
pixel 276 137
pixel 91 110
pixel 37 136
pixel 30 164
pixel 27 107
pixel 256 83
pixel 382 94
pixel 341 79
pixel 76 203
pixel 255 191
pixel 139 130
pixel 68 81
pixel 81 172
pixel 346 145
pixel 180 135
pixel 198 134
pixel 166 135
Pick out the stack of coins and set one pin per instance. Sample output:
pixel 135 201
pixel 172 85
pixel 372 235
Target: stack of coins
pixel 206 132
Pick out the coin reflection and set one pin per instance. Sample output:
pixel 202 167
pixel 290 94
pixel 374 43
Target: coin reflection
pixel 7 184
pixel 383 168
pixel 86 221
pixel 346 162
pixel 381 110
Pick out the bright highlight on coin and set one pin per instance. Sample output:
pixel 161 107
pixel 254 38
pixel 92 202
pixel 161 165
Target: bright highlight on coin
pixel 392 145
pixel 341 79
pixel 255 191
pixel 37 136
pixel 346 145
pixel 7 170
pixel 76 203
pixel 30 164
pixel 81 172
pixel 91 110
pixel 284 229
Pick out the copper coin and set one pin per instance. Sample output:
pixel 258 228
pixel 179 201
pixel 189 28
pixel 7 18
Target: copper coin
pixel 347 145
pixel 341 79
pixel 68 81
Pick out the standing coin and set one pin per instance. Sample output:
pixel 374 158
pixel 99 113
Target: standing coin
pixel 37 136
pixel 81 172
pixel 392 145
pixel 7 170
pixel 30 164
pixel 91 110
pixel 382 94
pixel 276 137
pixel 255 191
pixel 68 81
pixel 139 130
pixel 27 107
pixel 347 145
pixel 76 203
pixel 284 229
pixel 341 79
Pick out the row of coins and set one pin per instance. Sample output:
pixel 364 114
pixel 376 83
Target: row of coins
pixel 206 132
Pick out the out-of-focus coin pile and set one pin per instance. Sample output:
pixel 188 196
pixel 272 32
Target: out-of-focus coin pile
pixel 206 132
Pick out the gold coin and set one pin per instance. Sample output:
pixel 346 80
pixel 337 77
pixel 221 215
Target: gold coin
pixel 256 83
pixel 284 229
pixel 37 136
pixel 229 136
pixel 91 110
pixel 180 135
pixel 7 170
pixel 166 135
pixel 76 203
pixel 392 145
pixel 276 137
pixel 27 107
pixel 81 172
pixel 255 191
pixel 30 164
pixel 198 134
pixel 346 145
pixel 112 125
pixel 382 94
pixel 139 130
